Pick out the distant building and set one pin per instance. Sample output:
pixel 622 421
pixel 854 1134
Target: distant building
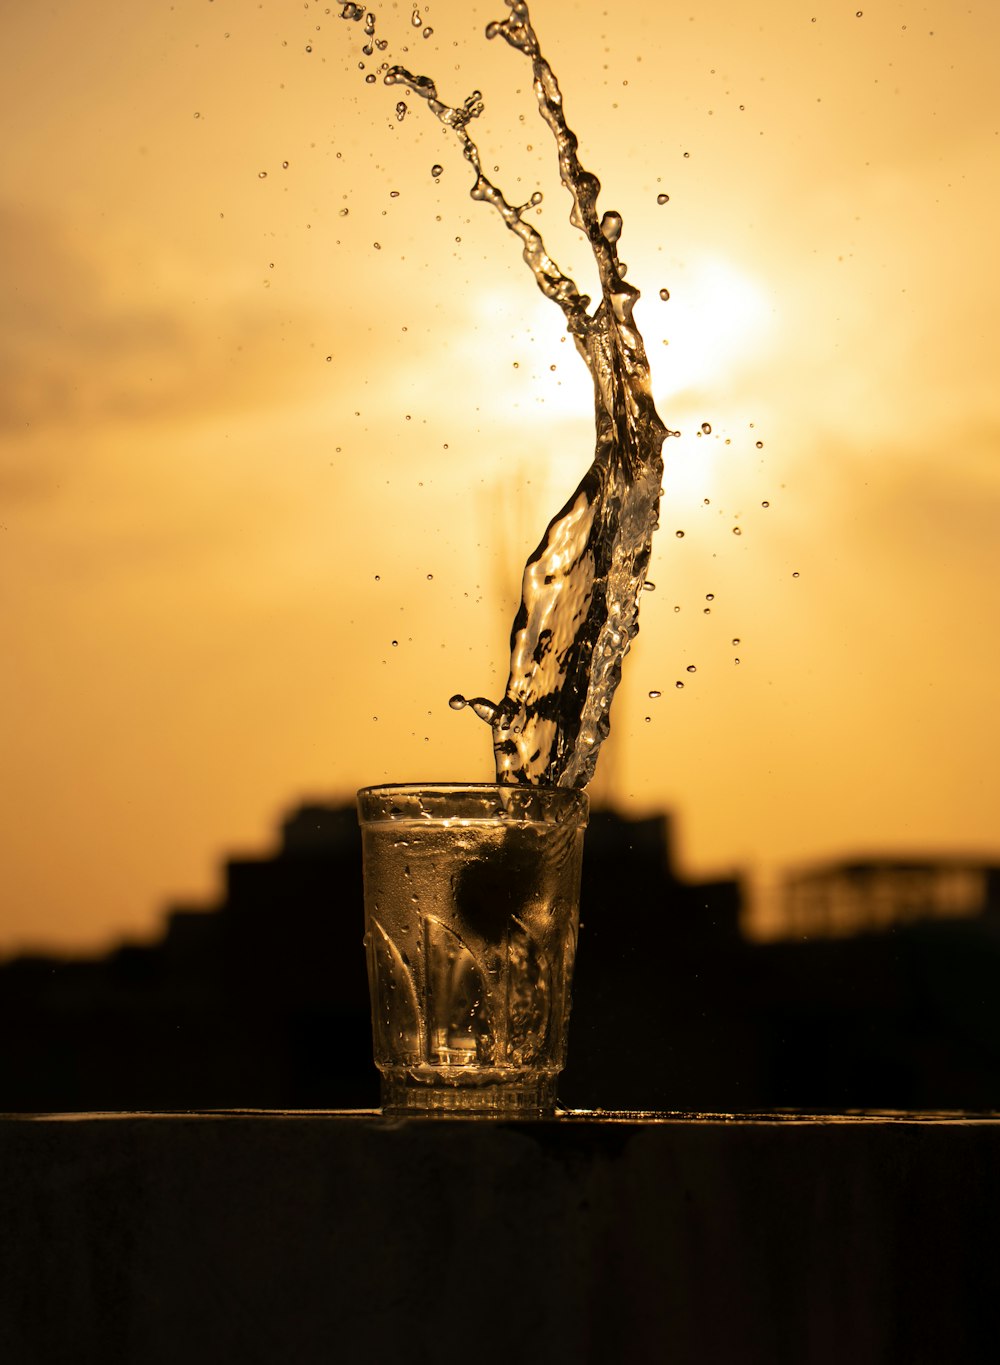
pixel 881 993
pixel 841 899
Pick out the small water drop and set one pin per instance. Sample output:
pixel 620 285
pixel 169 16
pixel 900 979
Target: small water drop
pixel 369 79
pixel 679 535
pixel 737 531
pixel 691 668
pixel 415 19
pixel 765 504
pixel 678 683
pixel 611 226
pixel 262 175
pixel 648 719
pixel 457 702
pixel 427 32
pixel 430 578
pixel 284 165
pixel 736 640
pixel 795 575
pixel 664 294
pixel 654 694
pixel 649 586
pixel 395 643
pixel 736 661
pixel 759 445
pixel 437 170
pixel 663 198
pixel 706 428
pixel 328 359
pixel 710 597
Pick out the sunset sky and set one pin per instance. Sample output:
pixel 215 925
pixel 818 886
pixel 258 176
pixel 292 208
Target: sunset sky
pixel 282 414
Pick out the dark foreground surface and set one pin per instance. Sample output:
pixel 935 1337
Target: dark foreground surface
pixel 273 1237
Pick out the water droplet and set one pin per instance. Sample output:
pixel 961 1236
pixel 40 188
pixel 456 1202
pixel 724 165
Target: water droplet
pixel 736 661
pixel 328 359
pixel 654 694
pixel 400 111
pixel 736 640
pixel 369 79
pixel 427 32
pixel 686 155
pixel 765 504
pixel 664 294
pixel 457 702
pixel 676 608
pixel 679 535
pixel 430 578
pixel 710 597
pixel 415 19
pixel 395 643
pixel 344 212
pixel 648 719
pixel 648 586
pixel 759 445
pixel 706 611
pixel 795 575
pixel 678 683
pixel 611 226
pixel 737 531
pixel 437 170
pixel 663 198
pixel 262 175
pixel 691 668
pixel 706 428
pixel 308 47
pixel 197 115
pixel 858 13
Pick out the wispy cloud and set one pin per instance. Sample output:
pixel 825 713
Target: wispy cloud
pixel 87 340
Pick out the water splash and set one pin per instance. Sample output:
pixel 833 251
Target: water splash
pixel 580 589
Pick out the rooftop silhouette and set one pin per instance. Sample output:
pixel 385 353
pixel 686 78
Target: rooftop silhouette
pixel 881 995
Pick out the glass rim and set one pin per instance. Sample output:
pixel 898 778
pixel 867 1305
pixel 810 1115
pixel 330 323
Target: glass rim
pixel 452 802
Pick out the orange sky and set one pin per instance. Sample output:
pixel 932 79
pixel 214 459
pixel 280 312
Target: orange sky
pixel 210 535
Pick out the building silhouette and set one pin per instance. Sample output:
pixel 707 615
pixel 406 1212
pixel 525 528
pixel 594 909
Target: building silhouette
pixel 881 995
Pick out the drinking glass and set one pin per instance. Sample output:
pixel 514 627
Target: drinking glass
pixel 472 898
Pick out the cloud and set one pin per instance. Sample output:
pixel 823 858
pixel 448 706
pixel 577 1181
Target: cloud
pixel 87 339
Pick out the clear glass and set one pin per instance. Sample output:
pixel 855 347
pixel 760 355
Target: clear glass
pixel 472 905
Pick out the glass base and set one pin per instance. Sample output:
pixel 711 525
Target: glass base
pixel 524 1098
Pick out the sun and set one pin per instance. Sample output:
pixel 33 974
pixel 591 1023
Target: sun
pixel 715 319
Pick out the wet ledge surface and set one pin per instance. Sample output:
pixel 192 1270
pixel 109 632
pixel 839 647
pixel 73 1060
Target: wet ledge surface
pixel 265 1236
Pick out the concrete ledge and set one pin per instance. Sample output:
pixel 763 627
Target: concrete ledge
pixel 273 1237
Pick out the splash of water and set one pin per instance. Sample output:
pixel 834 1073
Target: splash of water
pixel 580 590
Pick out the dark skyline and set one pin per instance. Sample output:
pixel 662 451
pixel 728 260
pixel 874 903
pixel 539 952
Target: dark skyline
pixel 261 998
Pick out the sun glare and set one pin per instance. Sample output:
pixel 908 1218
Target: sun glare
pixel 715 318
